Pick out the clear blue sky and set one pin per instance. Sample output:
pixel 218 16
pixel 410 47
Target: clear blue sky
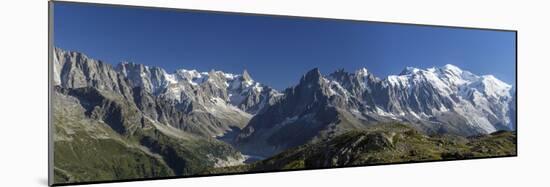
pixel 276 51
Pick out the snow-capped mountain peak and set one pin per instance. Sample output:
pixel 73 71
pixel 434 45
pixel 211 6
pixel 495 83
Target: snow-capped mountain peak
pixel 428 93
pixel 493 87
pixel 452 69
pixel 409 71
pixel 362 72
pixel 194 77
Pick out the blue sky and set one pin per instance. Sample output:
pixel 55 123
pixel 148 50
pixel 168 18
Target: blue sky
pixel 276 51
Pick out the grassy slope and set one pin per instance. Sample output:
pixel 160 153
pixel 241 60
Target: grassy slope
pixel 388 143
pixel 85 150
pixel 90 150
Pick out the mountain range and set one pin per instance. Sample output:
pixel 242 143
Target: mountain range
pixel 186 121
pixel 436 100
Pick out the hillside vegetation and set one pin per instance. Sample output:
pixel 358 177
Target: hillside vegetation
pixel 380 144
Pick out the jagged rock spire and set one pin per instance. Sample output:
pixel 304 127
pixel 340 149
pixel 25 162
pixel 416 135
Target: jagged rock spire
pixel 246 76
pixel 312 75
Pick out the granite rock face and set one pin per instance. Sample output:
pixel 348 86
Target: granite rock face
pixel 209 104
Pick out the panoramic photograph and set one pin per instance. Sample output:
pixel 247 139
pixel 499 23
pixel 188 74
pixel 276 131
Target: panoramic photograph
pixel 145 93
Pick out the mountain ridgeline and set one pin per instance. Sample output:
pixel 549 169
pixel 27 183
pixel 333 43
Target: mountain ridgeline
pixel 135 121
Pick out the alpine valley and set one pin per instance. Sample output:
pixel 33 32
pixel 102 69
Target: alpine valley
pixel 133 121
